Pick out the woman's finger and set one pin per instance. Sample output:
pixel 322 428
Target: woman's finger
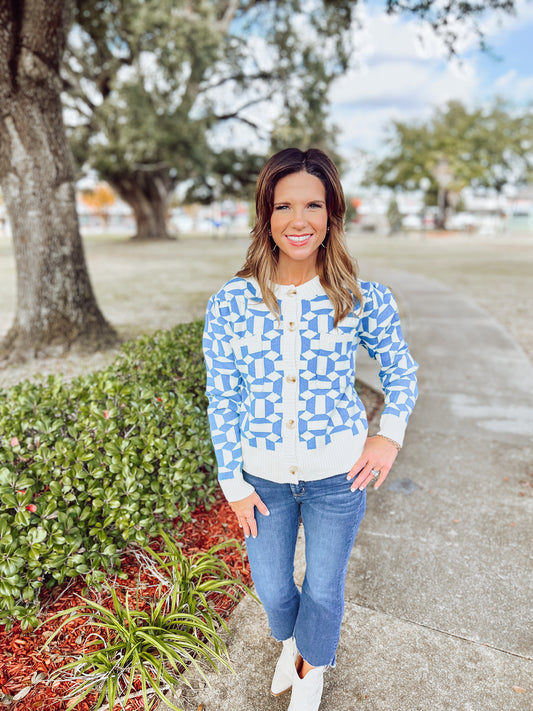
pixel 358 467
pixel 249 526
pixel 252 526
pixel 261 507
pixel 244 509
pixel 362 482
pixel 381 478
pixel 361 478
pixel 370 474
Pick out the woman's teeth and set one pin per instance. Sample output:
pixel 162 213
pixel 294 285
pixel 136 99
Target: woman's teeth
pixel 300 238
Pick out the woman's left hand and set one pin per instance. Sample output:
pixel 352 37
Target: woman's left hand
pixel 378 455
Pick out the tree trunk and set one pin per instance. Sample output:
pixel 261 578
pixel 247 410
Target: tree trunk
pixel 147 192
pixel 442 200
pixel 56 308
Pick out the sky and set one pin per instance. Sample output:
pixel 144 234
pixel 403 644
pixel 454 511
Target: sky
pixel 402 73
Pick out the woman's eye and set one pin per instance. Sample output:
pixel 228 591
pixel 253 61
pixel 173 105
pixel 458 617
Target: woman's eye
pixel 281 207
pixel 315 205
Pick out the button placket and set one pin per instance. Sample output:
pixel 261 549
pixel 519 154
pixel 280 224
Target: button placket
pixel 290 348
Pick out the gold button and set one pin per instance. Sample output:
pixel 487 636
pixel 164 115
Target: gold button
pixel 290 424
pixel 293 470
pixel 290 378
pixel 292 292
pixel 292 325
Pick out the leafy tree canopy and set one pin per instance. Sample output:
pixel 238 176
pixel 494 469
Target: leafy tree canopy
pixel 458 147
pixel 166 90
pixel 165 83
pixel 482 148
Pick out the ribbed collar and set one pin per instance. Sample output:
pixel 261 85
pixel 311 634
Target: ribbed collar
pixel 308 290
pixel 311 288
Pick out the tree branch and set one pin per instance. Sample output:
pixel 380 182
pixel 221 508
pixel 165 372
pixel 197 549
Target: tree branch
pixel 238 118
pixel 262 75
pixel 227 18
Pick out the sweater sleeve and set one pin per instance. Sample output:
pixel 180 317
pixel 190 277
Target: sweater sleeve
pixel 381 334
pixel 223 389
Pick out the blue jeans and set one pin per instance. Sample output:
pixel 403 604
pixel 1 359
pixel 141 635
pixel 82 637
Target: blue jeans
pixel 331 515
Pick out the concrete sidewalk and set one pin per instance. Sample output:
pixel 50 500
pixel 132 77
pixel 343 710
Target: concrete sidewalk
pixel 439 587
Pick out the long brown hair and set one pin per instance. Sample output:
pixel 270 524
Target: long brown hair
pixel 336 268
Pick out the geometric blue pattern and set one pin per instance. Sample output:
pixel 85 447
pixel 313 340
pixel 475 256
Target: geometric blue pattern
pixel 248 383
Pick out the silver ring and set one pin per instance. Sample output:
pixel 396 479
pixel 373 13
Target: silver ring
pixel 375 473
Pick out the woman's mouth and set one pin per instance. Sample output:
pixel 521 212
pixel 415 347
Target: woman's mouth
pixel 298 239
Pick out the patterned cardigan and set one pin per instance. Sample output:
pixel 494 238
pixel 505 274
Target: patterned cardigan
pixel 282 401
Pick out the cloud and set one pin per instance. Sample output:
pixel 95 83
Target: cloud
pixel 500 25
pixel 517 88
pixel 395 78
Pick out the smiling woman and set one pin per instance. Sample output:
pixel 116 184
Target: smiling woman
pixel 308 183
pixel 289 430
pixel 299 225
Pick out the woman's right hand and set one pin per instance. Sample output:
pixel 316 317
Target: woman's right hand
pixel 244 509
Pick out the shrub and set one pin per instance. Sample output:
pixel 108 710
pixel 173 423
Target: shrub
pixel 89 466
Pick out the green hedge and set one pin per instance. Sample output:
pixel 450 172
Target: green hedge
pixel 88 466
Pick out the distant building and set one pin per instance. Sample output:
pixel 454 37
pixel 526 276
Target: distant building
pixel 218 218
pixel 96 217
pixel 521 216
pixel 489 213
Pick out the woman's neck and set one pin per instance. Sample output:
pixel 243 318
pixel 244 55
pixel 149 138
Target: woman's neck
pixel 295 276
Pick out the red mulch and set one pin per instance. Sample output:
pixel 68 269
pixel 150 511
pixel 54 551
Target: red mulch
pixel 25 666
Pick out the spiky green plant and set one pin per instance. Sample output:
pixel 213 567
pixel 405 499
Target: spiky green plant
pixel 157 645
pixel 189 581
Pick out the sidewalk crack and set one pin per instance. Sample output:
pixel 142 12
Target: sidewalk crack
pixel 486 645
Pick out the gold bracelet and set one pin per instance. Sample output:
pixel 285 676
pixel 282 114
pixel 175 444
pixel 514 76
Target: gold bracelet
pixel 393 442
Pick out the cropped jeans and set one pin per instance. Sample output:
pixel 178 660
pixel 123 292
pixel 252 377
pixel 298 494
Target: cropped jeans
pixel 331 514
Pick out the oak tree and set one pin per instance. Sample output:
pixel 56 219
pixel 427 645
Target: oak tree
pixel 56 307
pixel 158 90
pixel 484 147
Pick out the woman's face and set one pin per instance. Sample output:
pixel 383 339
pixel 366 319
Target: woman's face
pixel 299 219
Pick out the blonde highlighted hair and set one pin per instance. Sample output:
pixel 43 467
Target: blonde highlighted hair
pixel 336 268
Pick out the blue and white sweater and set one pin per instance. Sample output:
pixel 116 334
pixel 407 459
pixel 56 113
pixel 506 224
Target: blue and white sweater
pixel 282 402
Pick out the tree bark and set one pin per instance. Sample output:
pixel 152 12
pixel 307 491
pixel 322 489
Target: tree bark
pixel 56 307
pixel 147 192
pixel 442 200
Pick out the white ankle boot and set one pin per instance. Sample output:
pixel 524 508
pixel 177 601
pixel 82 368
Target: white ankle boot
pixel 283 675
pixel 307 692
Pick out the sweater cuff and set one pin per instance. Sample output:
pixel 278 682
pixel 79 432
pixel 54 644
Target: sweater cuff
pixel 236 488
pixel 392 427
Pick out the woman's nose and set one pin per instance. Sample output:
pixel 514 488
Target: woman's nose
pixel 298 218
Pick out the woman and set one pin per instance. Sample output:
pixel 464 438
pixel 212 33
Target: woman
pixel 289 430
